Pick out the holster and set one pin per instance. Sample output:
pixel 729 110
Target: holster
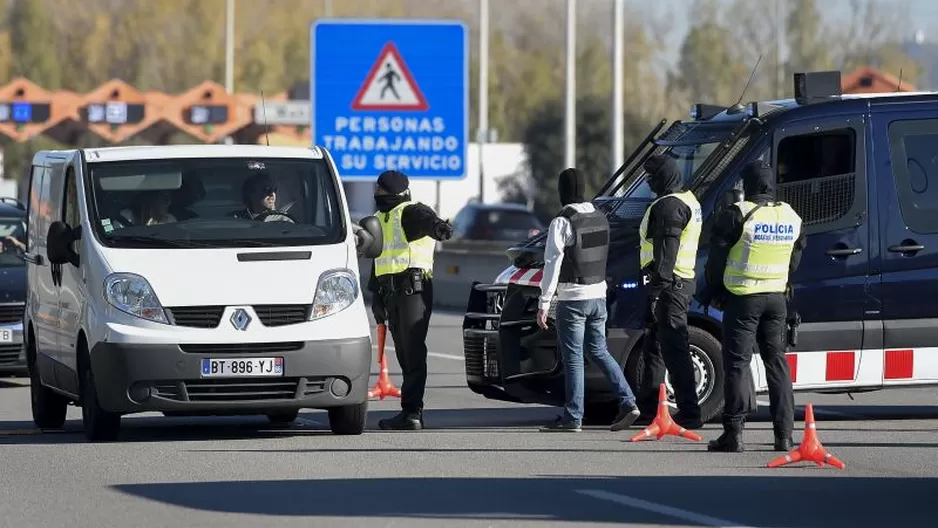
pixel 407 282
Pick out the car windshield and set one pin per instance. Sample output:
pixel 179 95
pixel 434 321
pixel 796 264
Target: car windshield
pixel 217 202
pixel 689 143
pixel 12 241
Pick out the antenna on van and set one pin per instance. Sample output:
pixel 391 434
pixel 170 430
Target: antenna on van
pixel 738 107
pixel 264 110
pixel 899 88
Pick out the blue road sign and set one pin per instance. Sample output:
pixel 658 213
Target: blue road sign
pixel 391 94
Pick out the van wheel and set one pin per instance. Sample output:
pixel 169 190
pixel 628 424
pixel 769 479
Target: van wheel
pixel 49 408
pixel 99 425
pixel 706 354
pixel 283 418
pixel 348 420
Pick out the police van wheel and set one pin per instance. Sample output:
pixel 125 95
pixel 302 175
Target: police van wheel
pixel 707 359
pixel 348 420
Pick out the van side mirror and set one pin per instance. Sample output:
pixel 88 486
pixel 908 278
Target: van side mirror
pixel 730 197
pixel 59 241
pixel 370 238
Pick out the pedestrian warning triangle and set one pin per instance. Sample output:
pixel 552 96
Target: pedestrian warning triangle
pixel 389 85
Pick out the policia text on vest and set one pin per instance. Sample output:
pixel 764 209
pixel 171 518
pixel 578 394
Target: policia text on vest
pixel 755 246
pixel 402 287
pixel 669 236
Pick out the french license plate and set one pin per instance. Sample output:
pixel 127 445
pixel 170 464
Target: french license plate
pixel 6 336
pixel 241 367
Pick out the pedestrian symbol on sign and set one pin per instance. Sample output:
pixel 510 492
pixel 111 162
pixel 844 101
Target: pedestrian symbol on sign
pixel 389 85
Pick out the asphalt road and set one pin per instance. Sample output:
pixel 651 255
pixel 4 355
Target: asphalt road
pixel 481 463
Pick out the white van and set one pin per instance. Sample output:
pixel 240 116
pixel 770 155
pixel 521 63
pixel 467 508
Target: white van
pixel 194 279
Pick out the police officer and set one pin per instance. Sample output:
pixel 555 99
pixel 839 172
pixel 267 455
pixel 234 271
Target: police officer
pixel 669 233
pixel 756 244
pixel 402 288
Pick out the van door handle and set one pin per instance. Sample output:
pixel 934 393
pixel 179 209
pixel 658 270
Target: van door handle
pixel 907 246
pixel 844 252
pixel 33 258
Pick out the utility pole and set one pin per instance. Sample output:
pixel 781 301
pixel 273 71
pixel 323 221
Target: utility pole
pixel 229 53
pixel 483 129
pixel 569 157
pixel 618 102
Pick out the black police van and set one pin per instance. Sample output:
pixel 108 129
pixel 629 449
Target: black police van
pixel 12 286
pixel 861 170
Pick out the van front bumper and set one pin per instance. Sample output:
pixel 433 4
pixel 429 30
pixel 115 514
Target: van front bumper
pixel 12 353
pixel 134 378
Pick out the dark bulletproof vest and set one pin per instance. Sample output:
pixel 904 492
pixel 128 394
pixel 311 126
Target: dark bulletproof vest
pixel 585 261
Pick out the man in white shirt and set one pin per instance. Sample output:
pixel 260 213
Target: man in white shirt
pixel 575 269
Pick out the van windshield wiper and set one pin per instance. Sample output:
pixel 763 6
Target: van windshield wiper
pixel 161 242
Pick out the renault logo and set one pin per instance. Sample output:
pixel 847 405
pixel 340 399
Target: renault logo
pixel 240 319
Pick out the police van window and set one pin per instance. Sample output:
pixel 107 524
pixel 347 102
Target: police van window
pixel 913 149
pixel 817 174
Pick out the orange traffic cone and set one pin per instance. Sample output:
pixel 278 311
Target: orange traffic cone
pixel 810 449
pixel 663 425
pixel 383 387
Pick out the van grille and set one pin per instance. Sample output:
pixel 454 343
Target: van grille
pixel 9 354
pixel 11 313
pixel 210 316
pixel 241 348
pixel 282 314
pixel 239 390
pixel 196 316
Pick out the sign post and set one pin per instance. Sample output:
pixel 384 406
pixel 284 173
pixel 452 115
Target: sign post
pixel 391 95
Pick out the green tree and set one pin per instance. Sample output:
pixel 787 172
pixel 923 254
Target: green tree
pixel 805 33
pixel 34 55
pixel 544 146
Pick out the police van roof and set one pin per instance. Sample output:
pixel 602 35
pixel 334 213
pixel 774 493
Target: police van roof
pixel 106 154
pixel 776 106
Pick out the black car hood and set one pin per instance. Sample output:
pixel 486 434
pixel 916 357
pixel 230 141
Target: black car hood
pixel 624 240
pixel 13 284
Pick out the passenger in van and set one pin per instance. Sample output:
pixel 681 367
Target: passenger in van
pixel 150 209
pixel 259 195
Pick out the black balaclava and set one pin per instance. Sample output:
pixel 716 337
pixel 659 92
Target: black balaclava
pixel 256 187
pixel 571 187
pixel 396 185
pixel 664 176
pixel 758 182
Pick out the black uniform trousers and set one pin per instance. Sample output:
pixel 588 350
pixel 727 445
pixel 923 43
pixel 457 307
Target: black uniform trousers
pixel 749 321
pixel 409 321
pixel 666 345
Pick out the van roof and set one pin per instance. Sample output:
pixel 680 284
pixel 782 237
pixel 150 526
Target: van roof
pixel 105 154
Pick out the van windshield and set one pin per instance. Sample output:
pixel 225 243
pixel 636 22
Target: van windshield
pixel 689 143
pixel 215 202
pixel 12 242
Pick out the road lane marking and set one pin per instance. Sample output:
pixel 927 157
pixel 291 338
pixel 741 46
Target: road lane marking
pixel 453 357
pixel 669 511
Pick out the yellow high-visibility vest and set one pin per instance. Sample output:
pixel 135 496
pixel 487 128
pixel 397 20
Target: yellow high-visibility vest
pixel 690 237
pixel 758 262
pixel 397 254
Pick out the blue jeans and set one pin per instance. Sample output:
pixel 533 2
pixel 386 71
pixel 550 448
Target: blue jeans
pixel 581 325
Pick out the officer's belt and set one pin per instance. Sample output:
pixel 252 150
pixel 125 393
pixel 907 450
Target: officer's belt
pixel 395 282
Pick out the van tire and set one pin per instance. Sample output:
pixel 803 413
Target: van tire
pixel 49 407
pixel 348 420
pixel 701 341
pixel 99 425
pixel 283 418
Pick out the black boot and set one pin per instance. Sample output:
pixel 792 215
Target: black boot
pixel 731 441
pixel 783 441
pixel 403 421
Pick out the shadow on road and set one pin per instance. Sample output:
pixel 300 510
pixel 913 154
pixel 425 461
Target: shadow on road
pixel 642 500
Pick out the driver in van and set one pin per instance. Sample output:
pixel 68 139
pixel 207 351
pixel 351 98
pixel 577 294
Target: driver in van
pixel 259 194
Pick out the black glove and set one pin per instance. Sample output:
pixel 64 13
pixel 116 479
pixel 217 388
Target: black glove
pixel 443 230
pixel 705 296
pixel 378 309
pixel 651 309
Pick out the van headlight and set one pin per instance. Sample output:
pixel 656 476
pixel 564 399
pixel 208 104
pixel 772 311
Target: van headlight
pixel 133 295
pixel 336 291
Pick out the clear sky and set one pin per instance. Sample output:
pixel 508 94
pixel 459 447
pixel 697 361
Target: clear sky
pixel 924 13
